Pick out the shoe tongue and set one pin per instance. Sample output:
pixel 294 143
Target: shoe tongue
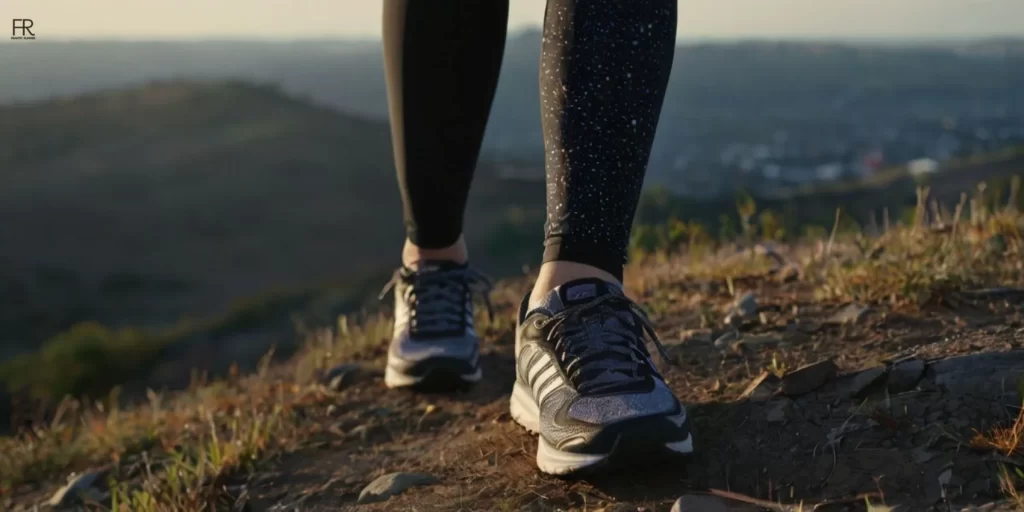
pixel 578 292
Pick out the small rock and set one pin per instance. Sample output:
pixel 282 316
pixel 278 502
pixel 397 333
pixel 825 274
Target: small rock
pixel 777 413
pixel 340 376
pixel 726 340
pixel 703 336
pixel 808 378
pixel 393 484
pixel 904 376
pixel 370 433
pixel 853 386
pixel 81 488
pixel 753 342
pixel 746 306
pixel 849 314
pixel 945 476
pixel 761 388
pixel 709 503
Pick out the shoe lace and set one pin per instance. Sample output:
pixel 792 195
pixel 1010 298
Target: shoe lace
pixel 614 361
pixel 437 299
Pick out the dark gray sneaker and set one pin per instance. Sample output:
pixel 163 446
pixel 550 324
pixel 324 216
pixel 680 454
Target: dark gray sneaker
pixel 434 343
pixel 585 381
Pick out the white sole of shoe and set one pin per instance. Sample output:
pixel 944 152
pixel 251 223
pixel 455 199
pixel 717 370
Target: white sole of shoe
pixel 396 379
pixel 551 460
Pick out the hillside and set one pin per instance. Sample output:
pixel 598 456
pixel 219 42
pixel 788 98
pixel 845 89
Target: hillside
pixel 141 206
pixel 858 371
pixel 730 106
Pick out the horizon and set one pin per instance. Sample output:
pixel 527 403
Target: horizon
pixel 528 29
pixel 357 20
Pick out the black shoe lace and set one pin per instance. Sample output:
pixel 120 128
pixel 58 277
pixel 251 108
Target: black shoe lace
pixel 437 298
pixel 617 360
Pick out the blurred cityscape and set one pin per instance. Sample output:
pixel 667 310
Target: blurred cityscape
pixel 766 116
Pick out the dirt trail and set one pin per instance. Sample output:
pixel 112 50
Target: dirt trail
pixel 900 431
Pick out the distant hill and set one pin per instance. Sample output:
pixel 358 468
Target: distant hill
pixel 828 101
pixel 145 204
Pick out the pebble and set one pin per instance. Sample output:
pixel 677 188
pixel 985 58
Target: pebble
pixel 81 487
pixel 393 484
pixel 849 314
pixel 858 383
pixel 340 376
pixel 725 341
pixel 744 307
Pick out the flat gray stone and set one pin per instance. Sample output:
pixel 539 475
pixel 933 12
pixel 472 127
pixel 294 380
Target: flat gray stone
pixel 809 377
pixel 755 341
pixel 849 314
pixel 761 388
pixel 393 484
pixel 726 340
pixel 904 376
pixel 855 385
pixel 744 307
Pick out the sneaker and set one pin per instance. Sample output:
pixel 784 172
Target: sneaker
pixel 585 381
pixel 434 341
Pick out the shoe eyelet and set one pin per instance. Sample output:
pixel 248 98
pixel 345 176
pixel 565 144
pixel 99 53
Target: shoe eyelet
pixel 539 323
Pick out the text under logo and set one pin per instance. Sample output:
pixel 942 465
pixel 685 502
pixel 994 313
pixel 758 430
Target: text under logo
pixel 21 29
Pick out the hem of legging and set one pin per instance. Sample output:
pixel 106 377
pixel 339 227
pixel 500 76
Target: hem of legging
pixel 436 240
pixel 595 255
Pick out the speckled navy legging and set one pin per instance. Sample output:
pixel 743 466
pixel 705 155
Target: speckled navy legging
pixel 604 69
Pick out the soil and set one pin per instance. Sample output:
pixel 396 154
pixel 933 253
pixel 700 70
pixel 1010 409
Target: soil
pixel 886 407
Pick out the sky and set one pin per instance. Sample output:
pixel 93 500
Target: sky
pixel 309 19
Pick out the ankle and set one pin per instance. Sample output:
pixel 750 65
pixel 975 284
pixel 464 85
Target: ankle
pixel 413 255
pixel 556 273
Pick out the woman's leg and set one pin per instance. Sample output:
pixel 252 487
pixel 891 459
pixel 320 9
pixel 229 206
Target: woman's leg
pixel 604 70
pixel 585 380
pixel 442 59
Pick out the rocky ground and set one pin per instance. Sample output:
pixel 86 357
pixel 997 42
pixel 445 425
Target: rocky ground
pixel 869 403
pixel 801 400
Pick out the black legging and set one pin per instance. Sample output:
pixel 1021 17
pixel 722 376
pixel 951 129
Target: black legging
pixel 604 69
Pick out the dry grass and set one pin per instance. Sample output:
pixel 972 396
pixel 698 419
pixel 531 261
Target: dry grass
pixel 187 442
pixel 927 261
pixel 177 451
pixel 1005 439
